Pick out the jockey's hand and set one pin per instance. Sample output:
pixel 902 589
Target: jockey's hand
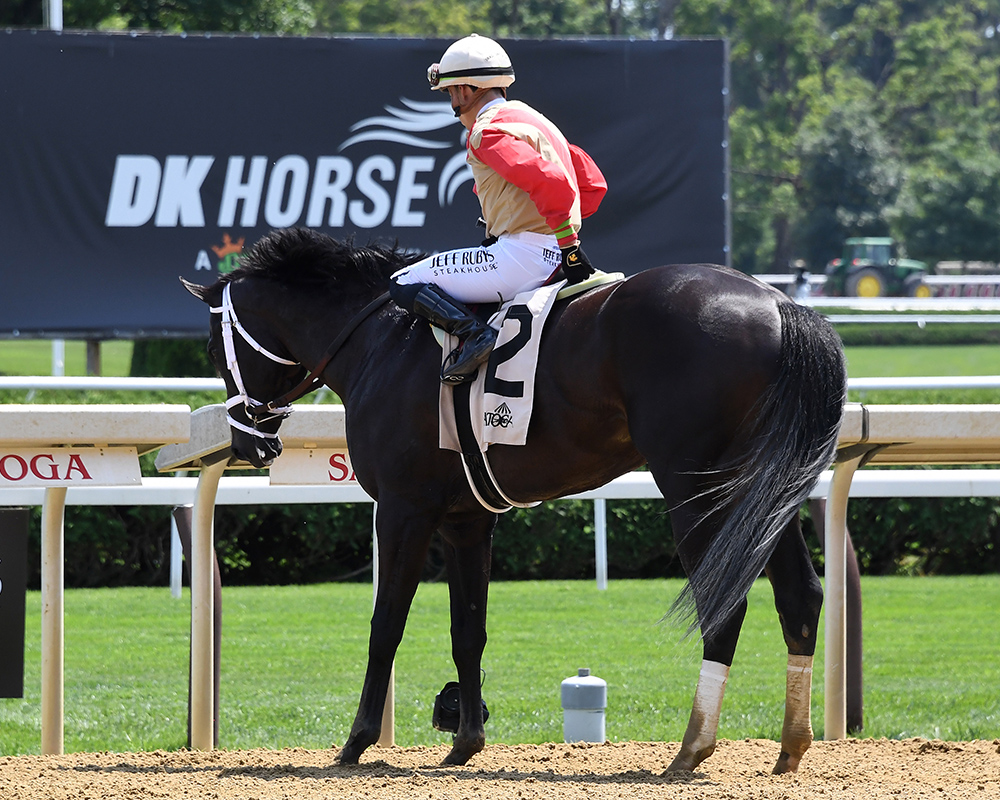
pixel 575 264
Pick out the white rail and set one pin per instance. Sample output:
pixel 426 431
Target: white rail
pixel 920 320
pixel 112 384
pixel 928 304
pixel 938 382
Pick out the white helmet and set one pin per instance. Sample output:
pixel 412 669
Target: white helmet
pixel 475 61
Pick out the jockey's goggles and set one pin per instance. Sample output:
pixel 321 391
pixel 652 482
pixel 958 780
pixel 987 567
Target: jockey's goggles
pixel 480 77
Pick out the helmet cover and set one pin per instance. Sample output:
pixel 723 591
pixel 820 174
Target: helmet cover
pixel 474 61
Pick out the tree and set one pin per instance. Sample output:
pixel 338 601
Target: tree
pixel 270 16
pixel 950 206
pixel 845 115
pixel 28 13
pixel 849 179
pixel 403 17
pixel 778 52
pixel 928 73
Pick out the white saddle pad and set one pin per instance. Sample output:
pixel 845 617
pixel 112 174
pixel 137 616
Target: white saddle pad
pixel 503 391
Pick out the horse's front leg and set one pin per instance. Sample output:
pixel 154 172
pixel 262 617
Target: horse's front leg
pixel 798 597
pixel 403 538
pixel 467 557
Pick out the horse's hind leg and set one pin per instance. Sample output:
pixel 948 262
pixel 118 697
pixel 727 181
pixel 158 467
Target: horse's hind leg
pixel 691 532
pixel 798 597
pixel 403 537
pixel 467 558
pixel 703 725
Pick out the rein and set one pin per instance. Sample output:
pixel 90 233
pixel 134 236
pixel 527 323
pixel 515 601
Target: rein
pixel 279 408
pixel 315 378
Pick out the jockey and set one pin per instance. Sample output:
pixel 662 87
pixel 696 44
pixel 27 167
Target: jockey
pixel 534 189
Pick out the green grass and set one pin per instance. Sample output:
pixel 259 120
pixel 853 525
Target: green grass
pixel 293 661
pixel 34 357
pixel 891 362
pixel 906 361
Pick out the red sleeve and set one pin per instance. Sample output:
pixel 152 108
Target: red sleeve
pixel 518 163
pixel 591 181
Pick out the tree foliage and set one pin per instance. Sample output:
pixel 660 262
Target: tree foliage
pixel 850 118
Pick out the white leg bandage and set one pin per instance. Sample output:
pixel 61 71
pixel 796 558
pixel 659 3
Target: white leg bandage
pixel 708 700
pixel 699 738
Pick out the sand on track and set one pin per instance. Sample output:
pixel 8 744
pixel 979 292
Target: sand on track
pixel 739 770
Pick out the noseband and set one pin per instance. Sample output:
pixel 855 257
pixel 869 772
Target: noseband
pixel 256 410
pixel 280 407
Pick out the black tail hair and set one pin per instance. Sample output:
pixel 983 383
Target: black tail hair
pixel 793 439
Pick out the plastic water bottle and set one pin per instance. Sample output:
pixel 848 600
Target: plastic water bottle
pixel 584 698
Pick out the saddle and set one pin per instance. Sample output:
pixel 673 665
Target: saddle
pixel 464 416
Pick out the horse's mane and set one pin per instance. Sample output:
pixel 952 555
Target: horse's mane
pixel 305 257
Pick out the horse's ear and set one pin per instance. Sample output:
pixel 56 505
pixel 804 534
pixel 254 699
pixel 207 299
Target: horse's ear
pixel 204 293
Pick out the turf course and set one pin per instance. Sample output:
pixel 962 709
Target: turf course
pixel 34 357
pixel 293 661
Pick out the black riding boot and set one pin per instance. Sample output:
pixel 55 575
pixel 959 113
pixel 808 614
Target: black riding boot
pixel 451 316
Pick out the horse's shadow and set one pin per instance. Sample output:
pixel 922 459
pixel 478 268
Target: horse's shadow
pixel 382 769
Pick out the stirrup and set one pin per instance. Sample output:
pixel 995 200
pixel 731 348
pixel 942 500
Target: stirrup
pixel 458 380
pixel 463 362
pixel 467 375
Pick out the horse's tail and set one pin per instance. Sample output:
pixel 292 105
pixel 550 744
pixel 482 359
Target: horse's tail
pixel 792 440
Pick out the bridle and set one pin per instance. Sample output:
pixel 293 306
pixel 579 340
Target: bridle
pixel 258 411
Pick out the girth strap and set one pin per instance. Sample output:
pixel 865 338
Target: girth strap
pixel 477 466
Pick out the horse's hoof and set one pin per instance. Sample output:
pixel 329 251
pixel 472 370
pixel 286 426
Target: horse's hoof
pixel 460 754
pixel 688 761
pixel 786 763
pixel 349 755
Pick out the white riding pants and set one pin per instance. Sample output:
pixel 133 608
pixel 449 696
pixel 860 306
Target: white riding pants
pixel 514 263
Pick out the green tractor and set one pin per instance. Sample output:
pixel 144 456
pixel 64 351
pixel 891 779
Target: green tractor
pixel 871 267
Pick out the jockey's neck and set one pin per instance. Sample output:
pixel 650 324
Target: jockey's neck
pixel 475 103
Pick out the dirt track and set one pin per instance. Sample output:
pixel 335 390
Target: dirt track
pixel 867 769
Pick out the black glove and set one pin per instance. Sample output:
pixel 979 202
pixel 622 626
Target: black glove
pixel 481 223
pixel 575 264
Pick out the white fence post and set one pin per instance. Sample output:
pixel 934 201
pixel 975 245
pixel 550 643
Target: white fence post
pixel 53 654
pixel 176 559
pixel 58 358
pixel 601 541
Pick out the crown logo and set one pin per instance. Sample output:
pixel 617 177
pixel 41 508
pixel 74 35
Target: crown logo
pixel 229 253
pixel 228 247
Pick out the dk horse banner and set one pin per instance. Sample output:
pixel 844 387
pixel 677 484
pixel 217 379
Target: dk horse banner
pixel 129 160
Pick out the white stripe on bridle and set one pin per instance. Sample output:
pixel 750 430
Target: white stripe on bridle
pixel 229 323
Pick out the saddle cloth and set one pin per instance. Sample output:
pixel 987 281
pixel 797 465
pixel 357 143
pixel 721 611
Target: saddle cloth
pixel 501 395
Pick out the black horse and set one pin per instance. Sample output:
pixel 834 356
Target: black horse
pixel 730 393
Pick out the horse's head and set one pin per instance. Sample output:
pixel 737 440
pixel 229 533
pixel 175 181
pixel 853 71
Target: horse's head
pixel 255 368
